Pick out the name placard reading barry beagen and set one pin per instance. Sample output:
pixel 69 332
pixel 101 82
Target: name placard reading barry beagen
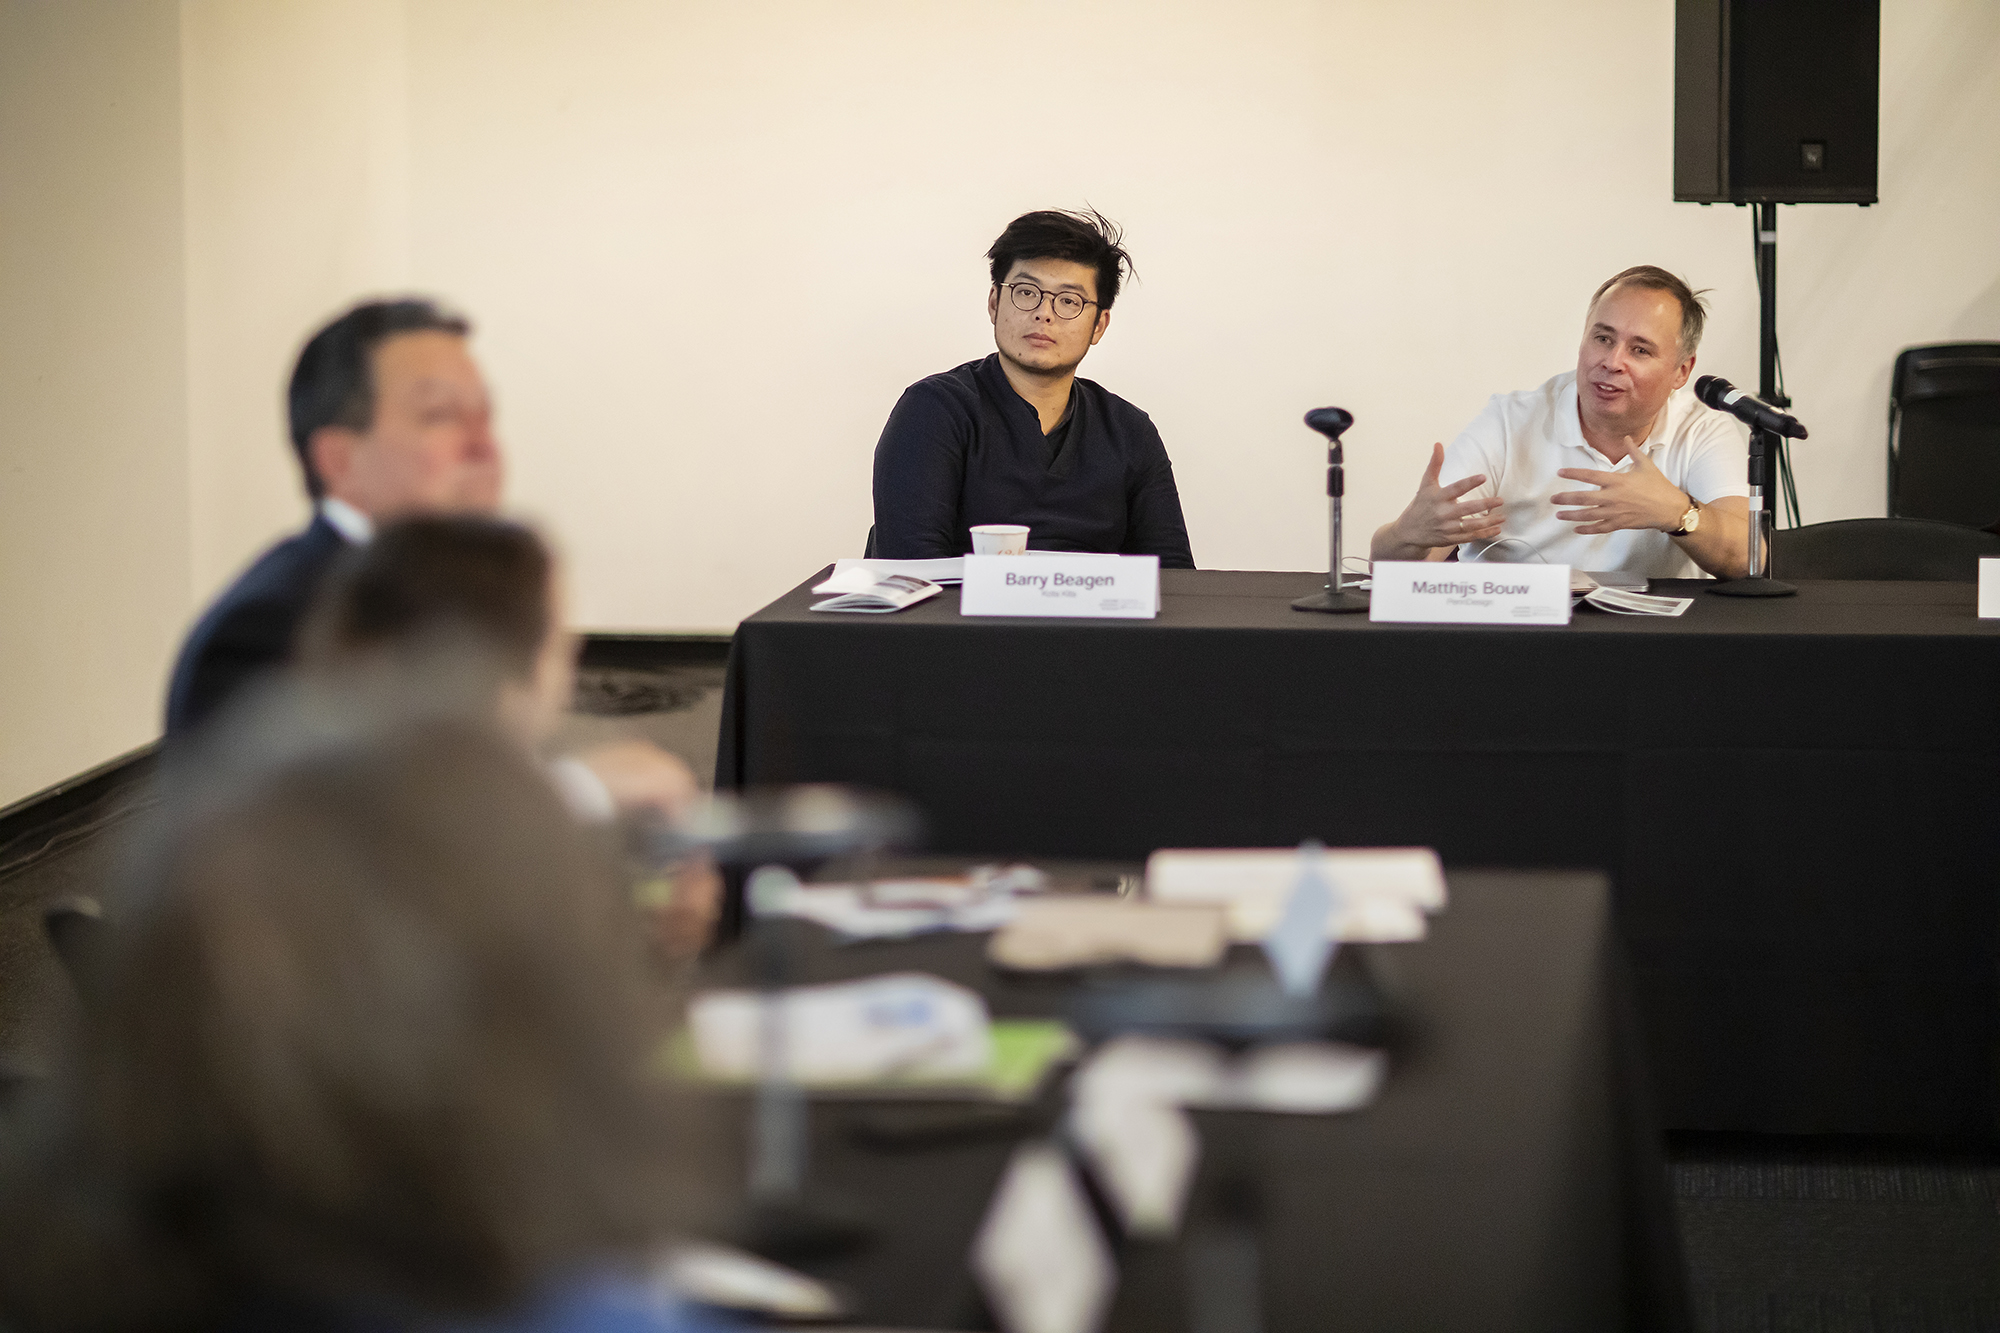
pixel 1124 587
pixel 1470 593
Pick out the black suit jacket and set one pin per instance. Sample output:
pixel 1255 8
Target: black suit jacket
pixel 249 629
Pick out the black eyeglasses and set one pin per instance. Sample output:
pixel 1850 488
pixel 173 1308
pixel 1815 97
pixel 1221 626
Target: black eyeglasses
pixel 1027 296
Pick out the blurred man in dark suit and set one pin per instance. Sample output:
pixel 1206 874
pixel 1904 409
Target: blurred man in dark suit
pixel 389 416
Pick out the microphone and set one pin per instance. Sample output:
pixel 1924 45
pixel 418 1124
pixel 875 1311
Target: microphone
pixel 1329 421
pixel 1335 597
pixel 1723 396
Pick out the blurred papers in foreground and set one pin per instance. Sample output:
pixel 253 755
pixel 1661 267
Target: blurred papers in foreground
pixel 905 1034
pixel 1382 893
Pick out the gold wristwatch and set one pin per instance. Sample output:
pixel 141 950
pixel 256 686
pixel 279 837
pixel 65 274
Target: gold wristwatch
pixel 1690 520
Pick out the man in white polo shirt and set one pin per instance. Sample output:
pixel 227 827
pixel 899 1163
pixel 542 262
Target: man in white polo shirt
pixel 1610 466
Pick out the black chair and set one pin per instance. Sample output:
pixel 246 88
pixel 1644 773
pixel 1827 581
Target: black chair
pixel 79 934
pixel 1883 548
pixel 1944 434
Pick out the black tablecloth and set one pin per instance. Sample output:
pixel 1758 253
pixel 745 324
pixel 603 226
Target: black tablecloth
pixel 1796 798
pixel 1508 1177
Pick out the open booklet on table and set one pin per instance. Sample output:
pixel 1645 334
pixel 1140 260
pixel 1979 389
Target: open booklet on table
pixel 879 595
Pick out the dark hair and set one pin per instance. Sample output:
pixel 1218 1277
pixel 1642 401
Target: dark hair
pixel 437 582
pixel 333 383
pixel 377 1038
pixel 1086 237
pixel 1694 310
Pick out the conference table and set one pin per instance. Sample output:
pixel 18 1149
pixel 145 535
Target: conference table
pixel 1507 1176
pixel 1797 800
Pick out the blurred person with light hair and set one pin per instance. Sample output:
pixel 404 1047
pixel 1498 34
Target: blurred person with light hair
pixel 372 1048
pixel 1668 493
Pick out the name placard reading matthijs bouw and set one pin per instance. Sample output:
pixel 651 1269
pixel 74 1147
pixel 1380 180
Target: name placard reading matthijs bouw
pixel 1469 593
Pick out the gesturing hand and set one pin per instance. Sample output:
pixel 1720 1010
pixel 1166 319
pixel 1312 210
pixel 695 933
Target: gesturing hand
pixel 1641 497
pixel 640 776
pixel 1437 517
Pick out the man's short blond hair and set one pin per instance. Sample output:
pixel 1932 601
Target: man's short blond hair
pixel 1694 310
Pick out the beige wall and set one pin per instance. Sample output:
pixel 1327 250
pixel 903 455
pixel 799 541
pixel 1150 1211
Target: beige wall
pixel 297 203
pixel 709 242
pixel 93 435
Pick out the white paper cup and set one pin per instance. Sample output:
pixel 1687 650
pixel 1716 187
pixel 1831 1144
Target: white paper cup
pixel 1000 539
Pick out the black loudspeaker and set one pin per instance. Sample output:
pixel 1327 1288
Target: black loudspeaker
pixel 1775 101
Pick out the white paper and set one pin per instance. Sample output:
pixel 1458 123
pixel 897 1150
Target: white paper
pixel 983 898
pixel 1304 1078
pixel 1637 603
pixel 1384 891
pixel 1127 1109
pixel 848 909
pixel 904 1025
pixel 1989 588
pixel 891 592
pixel 1143 1152
pixel 730 1279
pixel 1307 1077
pixel 1062 583
pixel 854 575
pixel 1039 1255
pixel 1469 593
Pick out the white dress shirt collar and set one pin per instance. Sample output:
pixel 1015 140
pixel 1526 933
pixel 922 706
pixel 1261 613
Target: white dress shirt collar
pixel 346 520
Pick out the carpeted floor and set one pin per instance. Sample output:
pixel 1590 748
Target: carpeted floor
pixel 677 707
pixel 1816 1236
pixel 1781 1236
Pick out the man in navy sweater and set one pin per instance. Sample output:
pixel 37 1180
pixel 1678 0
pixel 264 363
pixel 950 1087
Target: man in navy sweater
pixel 1017 437
pixel 389 416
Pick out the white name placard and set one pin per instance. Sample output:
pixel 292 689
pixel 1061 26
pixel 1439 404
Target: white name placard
pixel 1469 593
pixel 1125 587
pixel 1989 588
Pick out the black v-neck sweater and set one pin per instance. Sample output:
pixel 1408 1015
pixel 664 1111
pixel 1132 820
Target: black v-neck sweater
pixel 962 448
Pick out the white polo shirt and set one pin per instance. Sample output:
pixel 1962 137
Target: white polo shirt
pixel 1523 439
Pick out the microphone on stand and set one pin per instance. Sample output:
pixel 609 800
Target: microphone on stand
pixel 782 832
pixel 1768 427
pixel 1336 597
pixel 1755 413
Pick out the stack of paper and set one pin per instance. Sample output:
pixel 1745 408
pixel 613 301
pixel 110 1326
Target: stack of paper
pixel 1637 603
pixel 901 1036
pixel 854 575
pixel 984 898
pixel 1382 893
pixel 906 1024
pixel 1052 933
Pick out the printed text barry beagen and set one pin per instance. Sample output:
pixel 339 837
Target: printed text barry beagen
pixel 1084 582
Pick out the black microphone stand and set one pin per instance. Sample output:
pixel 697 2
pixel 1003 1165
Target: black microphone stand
pixel 1758 581
pixel 783 832
pixel 1336 597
